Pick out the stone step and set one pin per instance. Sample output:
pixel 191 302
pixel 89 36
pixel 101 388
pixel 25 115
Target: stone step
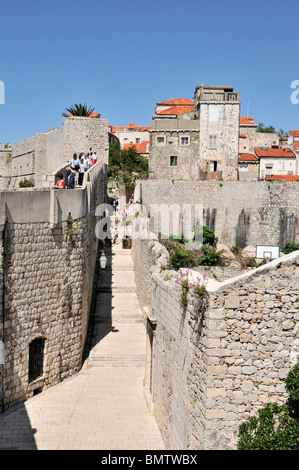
pixel 119 318
pixel 117 361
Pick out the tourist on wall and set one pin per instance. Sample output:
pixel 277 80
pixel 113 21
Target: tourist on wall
pixel 75 165
pixel 83 168
pixel 70 179
pixel 60 182
pixel 94 158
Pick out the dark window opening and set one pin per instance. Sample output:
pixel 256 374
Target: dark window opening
pixel 213 166
pixel 36 358
pixel 173 161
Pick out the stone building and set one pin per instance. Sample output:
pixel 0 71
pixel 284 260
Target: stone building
pixel 294 146
pixel 142 149
pixel 248 167
pixel 130 134
pixel 275 161
pixel 199 139
pixel 249 138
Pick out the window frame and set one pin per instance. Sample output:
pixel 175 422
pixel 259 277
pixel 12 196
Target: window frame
pixel 176 160
pixel 213 141
pixel 160 137
pixel 36 356
pixel 184 137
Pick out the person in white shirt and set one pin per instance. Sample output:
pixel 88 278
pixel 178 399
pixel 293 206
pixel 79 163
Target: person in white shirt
pixel 83 168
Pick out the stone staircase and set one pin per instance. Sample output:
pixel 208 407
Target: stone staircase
pixel 119 332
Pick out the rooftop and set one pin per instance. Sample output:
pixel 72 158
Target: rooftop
pixel 141 148
pixel 247 157
pixel 274 152
pixel 177 102
pixel 247 121
pixel 295 133
pixel 132 126
pixel 176 110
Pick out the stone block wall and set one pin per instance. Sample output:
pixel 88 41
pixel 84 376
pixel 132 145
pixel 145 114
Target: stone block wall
pixel 47 268
pixel 6 162
pixel 43 154
pixel 221 121
pixel 23 162
pixel 216 362
pixel 240 213
pixel 188 161
pixel 83 134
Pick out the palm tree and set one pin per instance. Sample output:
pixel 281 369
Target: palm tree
pixel 78 110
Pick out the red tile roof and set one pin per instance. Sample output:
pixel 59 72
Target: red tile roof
pixel 294 133
pixel 131 125
pixel 245 157
pixel 273 152
pixel 177 101
pixel 242 136
pixel 176 110
pixel 248 121
pixel 141 148
pixel 296 145
pixel 290 178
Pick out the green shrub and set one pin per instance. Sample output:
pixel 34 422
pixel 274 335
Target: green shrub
pixel 289 248
pixel 26 184
pixel 180 258
pixel 207 235
pixel 273 429
pixel 292 383
pixel 211 257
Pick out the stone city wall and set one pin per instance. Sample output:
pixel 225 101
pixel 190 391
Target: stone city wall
pixel 41 156
pixel 212 365
pixel 240 213
pixel 48 266
pixel 82 134
pixel 5 158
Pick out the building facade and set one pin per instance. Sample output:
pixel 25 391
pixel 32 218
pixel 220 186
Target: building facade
pixel 196 139
pixel 130 134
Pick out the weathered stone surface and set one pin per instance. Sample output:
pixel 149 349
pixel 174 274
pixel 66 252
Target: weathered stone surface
pixel 221 361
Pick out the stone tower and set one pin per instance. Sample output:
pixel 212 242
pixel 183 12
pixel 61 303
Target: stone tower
pixel 218 110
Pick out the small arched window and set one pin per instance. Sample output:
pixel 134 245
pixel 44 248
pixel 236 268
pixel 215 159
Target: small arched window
pixel 36 358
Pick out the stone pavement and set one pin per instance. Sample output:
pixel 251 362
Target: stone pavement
pixel 103 406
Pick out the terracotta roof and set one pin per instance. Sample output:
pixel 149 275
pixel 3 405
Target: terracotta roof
pixel 176 110
pixel 294 133
pixel 177 101
pixel 115 129
pixel 290 178
pixel 296 145
pixel 141 148
pixel 92 115
pixel 273 152
pixel 245 157
pixel 248 121
pixel 242 136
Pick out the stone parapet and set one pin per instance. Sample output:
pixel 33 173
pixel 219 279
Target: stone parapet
pixel 212 364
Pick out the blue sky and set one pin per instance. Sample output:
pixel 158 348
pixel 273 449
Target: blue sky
pixel 123 57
